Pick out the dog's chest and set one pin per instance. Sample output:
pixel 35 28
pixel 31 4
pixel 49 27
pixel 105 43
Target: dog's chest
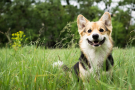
pixel 96 58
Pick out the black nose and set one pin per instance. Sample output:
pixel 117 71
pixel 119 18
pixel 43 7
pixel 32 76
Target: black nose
pixel 95 36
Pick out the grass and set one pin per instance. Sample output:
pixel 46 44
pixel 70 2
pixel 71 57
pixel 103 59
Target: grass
pixel 30 68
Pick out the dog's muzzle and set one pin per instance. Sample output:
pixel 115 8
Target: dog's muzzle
pixel 96 43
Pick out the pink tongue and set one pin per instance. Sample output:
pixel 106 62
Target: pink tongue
pixel 96 43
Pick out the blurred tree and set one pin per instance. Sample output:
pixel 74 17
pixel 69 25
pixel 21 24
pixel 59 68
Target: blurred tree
pixel 55 17
pixel 47 22
pixel 4 9
pixel 122 14
pixel 88 9
pixel 15 15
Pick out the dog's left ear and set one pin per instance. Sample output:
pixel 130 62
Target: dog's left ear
pixel 106 19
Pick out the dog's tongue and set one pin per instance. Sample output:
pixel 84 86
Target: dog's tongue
pixel 95 43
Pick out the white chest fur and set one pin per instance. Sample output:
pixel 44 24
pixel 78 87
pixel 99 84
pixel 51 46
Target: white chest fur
pixel 95 55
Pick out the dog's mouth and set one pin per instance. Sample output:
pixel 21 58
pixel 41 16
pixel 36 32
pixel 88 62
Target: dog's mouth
pixel 96 43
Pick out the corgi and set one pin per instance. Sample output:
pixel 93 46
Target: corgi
pixel 96 46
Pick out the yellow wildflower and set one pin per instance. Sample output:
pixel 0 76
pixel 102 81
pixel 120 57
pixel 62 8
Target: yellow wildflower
pixel 20 31
pixel 17 38
pixel 13 34
pixel 17 34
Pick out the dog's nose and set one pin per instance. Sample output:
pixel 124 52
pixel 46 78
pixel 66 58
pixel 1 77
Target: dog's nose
pixel 95 36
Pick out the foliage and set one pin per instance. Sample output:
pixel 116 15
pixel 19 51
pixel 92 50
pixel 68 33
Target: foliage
pixel 30 16
pixel 71 37
pixel 30 68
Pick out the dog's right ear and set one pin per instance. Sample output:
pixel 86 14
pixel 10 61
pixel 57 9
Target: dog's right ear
pixel 81 22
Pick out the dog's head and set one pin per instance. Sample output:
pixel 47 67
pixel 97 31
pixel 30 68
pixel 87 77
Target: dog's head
pixel 95 33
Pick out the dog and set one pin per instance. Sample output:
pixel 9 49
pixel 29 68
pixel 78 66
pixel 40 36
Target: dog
pixel 96 46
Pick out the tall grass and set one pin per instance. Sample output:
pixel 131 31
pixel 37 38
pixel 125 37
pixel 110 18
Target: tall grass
pixel 29 68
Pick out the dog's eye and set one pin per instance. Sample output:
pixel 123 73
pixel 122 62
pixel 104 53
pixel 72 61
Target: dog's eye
pixel 89 31
pixel 101 30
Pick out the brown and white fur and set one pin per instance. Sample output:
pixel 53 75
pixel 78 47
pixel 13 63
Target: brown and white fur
pixel 96 46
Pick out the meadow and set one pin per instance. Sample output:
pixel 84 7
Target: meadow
pixel 30 68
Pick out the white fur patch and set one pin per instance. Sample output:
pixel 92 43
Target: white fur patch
pixel 57 64
pixel 106 19
pixel 95 55
pixel 82 22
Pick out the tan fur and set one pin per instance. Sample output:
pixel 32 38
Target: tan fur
pixel 83 26
pixel 95 26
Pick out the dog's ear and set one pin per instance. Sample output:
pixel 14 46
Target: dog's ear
pixel 106 19
pixel 81 22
